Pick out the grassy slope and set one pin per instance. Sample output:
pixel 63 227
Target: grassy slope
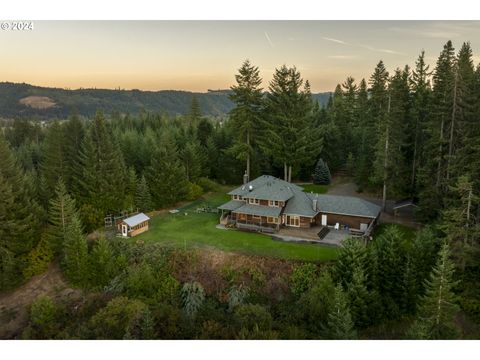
pixel 198 230
pixel 319 189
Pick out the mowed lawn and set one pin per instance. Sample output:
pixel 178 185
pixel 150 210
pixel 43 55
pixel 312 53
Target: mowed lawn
pixel 196 230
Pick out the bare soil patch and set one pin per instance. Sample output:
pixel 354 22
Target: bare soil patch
pixel 14 305
pixel 38 102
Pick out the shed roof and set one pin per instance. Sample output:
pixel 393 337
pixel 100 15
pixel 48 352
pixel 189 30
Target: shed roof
pixel 136 219
pixel 258 210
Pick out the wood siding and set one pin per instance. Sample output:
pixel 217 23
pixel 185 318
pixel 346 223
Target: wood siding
pixel 138 231
pixel 351 221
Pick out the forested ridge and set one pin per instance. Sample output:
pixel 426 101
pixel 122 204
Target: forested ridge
pixel 413 133
pixel 62 103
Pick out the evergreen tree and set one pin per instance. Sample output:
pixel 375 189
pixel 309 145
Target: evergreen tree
pixel 60 214
pixel 459 223
pixel 166 176
pixel 389 160
pixel 195 113
pixel 74 134
pixel 421 89
pixel 143 199
pixel 75 259
pixel 388 270
pixel 432 175
pixel 339 324
pixel 245 116
pixel 322 173
pixel 288 135
pixel 19 218
pixel 101 260
pixel 104 175
pixel 438 305
pixel 193 159
pixel 352 255
pixel 54 164
pixel 359 298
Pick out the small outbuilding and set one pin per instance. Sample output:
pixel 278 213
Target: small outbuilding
pixel 133 225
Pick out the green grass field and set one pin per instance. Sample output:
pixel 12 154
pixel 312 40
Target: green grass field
pixel 318 189
pixel 198 230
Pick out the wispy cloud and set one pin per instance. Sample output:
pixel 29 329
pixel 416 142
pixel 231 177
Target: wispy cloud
pixel 433 33
pixel 268 39
pixel 342 57
pixel 335 41
pixel 368 47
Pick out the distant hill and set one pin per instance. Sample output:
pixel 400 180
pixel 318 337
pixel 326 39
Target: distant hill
pixel 24 100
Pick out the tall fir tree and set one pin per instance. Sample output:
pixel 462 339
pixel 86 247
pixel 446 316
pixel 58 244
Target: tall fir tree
pixel 19 218
pixel 339 321
pixel 104 181
pixel 61 211
pixel 288 135
pixel 245 116
pixel 166 176
pixel 143 198
pixel 54 164
pixel 438 305
pixel 75 253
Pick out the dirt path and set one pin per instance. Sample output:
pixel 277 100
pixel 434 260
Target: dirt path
pixel 14 305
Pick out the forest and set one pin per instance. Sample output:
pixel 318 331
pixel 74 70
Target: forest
pixel 410 134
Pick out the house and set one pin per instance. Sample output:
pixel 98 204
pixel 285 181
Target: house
pixel 133 225
pixel 268 203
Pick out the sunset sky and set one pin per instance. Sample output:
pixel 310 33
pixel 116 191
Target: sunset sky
pixel 201 55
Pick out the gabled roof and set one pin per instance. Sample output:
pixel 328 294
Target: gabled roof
pixel 345 205
pixel 136 219
pixel 259 210
pixel 267 187
pixel 300 204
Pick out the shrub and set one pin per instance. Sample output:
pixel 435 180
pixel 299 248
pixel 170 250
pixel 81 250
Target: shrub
pixel 38 258
pixel 193 296
pixel 120 319
pixel 303 278
pixel 194 191
pixel 43 319
pixel 252 316
pixel 208 185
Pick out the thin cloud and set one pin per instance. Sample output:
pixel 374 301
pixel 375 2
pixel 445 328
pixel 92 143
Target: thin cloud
pixel 335 40
pixel 428 33
pixel 368 47
pixel 342 57
pixel 268 39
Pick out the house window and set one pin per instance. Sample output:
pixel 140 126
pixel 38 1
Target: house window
pixel 240 197
pixel 272 220
pixel 276 203
pixel 293 221
pixel 256 217
pixel 254 201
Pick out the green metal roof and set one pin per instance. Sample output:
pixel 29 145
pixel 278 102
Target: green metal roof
pixel 267 187
pixel 346 205
pixel 231 205
pixel 259 210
